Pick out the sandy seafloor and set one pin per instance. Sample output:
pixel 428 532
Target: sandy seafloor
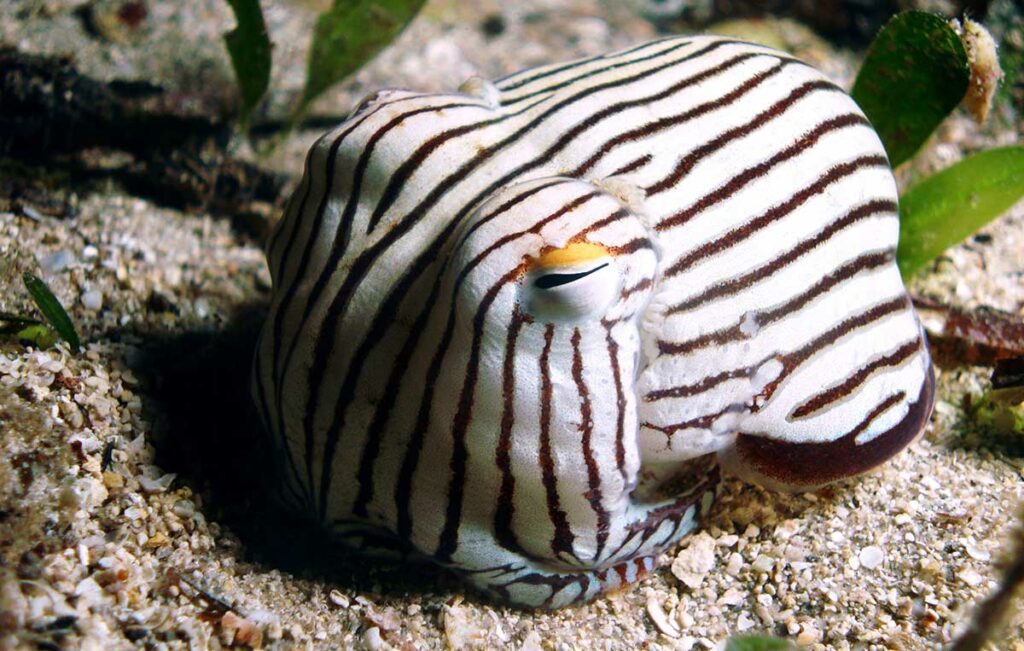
pixel 129 472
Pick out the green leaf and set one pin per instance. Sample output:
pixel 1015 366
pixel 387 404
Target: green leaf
pixel 915 73
pixel 37 335
pixel 52 310
pixel 757 643
pixel 249 47
pixel 945 208
pixel 348 35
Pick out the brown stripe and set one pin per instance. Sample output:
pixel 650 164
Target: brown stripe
pixel 601 223
pixel 632 246
pixel 382 413
pixel 851 383
pixel 686 164
pixel 701 422
pixel 279 362
pixel 364 157
pixel 801 355
pixel 705 384
pixel 505 510
pixel 399 178
pixel 764 318
pixel 749 228
pixel 644 101
pixel 403 485
pixel 278 441
pixel 620 403
pixel 744 178
pixel 736 285
pixel 293 214
pixel 343 233
pixel 500 210
pixel 641 286
pixel 340 239
pixel 594 493
pixel 620 569
pixel 519 83
pixel 661 124
pixel 791 360
pixel 514 82
pixel 677 508
pixel 561 542
pixel 325 339
pixel 381 325
pixel 547 90
pixel 633 166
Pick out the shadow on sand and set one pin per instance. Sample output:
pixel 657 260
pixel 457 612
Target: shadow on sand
pixel 206 430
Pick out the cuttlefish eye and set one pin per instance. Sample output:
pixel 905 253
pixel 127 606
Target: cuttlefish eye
pixel 571 282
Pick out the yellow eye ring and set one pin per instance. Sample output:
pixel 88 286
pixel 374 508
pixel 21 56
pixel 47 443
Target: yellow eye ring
pixel 571 255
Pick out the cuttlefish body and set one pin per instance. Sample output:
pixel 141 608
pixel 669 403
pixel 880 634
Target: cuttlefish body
pixel 516 328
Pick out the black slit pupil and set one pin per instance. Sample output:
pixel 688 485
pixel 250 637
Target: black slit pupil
pixel 547 281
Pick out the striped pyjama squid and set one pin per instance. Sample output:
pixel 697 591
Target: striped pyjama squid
pixel 517 329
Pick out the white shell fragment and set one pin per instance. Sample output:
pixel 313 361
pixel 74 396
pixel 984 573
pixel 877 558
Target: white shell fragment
pixel 660 619
pixel 871 557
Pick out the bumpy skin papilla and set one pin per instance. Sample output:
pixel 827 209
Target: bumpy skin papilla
pixel 513 328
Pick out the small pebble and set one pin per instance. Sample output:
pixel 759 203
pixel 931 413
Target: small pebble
pixel 763 563
pixel 735 564
pixel 871 557
pixel 92 300
pixel 157 540
pixel 158 485
pixel 971 578
pixel 977 553
pixel 744 623
pixel 134 513
pixel 372 641
pixel 338 599
pixel 732 597
pixel 809 634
